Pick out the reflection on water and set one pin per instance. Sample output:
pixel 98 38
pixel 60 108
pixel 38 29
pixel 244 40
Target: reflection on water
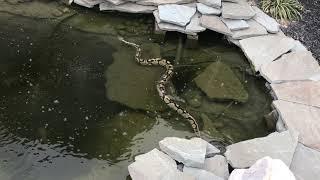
pixel 57 121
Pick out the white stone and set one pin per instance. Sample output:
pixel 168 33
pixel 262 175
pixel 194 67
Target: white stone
pixel 315 77
pixel 211 149
pixel 303 119
pixel 155 165
pixel 217 165
pixel 211 3
pixel 298 46
pixel 116 2
pixel 280 127
pixel 276 145
pixel 206 10
pixel 269 23
pixel 190 153
pixel 176 14
pixel 264 169
pixel 160 2
pixel 88 3
pixel 237 11
pixel 194 25
pixel 127 7
pixel 200 174
pixel 214 23
pixel 235 24
pixel 293 66
pixel 262 50
pixel 303 92
pixel 233 41
pixel 306 163
pixel 255 29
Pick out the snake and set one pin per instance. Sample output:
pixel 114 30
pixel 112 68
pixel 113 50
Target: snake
pixel 161 84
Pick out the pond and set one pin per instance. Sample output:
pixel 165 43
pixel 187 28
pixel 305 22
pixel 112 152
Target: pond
pixel 75 104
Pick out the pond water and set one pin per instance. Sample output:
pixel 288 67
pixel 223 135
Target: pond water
pixel 75 105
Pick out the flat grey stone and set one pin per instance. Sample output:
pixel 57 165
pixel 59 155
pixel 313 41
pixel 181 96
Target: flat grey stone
pixel 155 165
pixel 176 14
pixel 303 92
pixel 298 46
pixel 160 2
pixel 127 7
pixel 293 66
pixel 255 29
pixel 194 25
pixel 190 153
pixel 315 77
pixel 306 163
pixel 235 24
pixel 200 174
pixel 264 169
pixel 217 165
pixel 276 145
pixel 262 50
pixel 207 10
pixel 269 23
pixel 88 3
pixel 211 149
pixel 303 119
pixel 237 11
pixel 214 23
pixel 211 3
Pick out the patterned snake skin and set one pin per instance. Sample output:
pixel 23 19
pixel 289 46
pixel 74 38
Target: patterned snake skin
pixel 162 82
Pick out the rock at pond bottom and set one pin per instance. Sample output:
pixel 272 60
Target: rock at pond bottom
pixel 219 82
pixel 189 152
pixel 156 165
pixel 264 169
pixel 132 84
pixel 276 145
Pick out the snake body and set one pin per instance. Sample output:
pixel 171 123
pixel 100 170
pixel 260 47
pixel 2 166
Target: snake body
pixel 162 83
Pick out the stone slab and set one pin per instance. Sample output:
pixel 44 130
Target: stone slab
pixel 88 3
pixel 176 14
pixel 303 92
pixel 211 3
pixel 207 10
pixel 160 2
pixel 262 50
pixel 306 163
pixel 276 145
pixel 237 11
pixel 211 149
pixel 235 24
pixel 298 46
pixel 194 25
pixel 127 7
pixel 255 29
pixel 116 2
pixel 190 153
pixel 293 66
pixel 303 119
pixel 268 22
pixel 214 23
pixel 200 174
pixel 217 165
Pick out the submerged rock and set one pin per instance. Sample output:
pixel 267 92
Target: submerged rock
pixel 219 82
pixel 132 84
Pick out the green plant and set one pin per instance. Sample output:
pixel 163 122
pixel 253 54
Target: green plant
pixel 283 9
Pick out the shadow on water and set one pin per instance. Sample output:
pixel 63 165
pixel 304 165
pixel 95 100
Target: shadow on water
pixel 58 117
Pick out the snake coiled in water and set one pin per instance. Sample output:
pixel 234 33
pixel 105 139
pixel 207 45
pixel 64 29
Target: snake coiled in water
pixel 162 83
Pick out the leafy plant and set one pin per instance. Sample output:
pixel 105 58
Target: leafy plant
pixel 286 10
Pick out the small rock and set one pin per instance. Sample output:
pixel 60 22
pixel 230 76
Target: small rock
pixel 269 23
pixel 207 10
pixel 200 174
pixel 190 153
pixel 235 24
pixel 237 11
pixel 264 169
pixel 217 165
pixel 211 3
pixel 176 14
pixel 215 23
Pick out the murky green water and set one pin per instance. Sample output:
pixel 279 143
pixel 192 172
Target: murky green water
pixel 75 105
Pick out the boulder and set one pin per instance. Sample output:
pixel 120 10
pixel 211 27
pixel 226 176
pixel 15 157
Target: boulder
pixel 211 3
pixel 276 145
pixel 255 29
pixel 306 163
pixel 190 153
pixel 263 50
pixel 214 23
pixel 219 82
pixel 160 2
pixel 264 169
pixel 176 14
pixel 302 92
pixel 217 165
pixel 266 21
pixel 303 119
pixel 235 24
pixel 200 174
pixel 293 66
pixel 237 10
pixel 128 7
pixel 207 10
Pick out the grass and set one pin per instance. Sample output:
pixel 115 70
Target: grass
pixel 284 10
